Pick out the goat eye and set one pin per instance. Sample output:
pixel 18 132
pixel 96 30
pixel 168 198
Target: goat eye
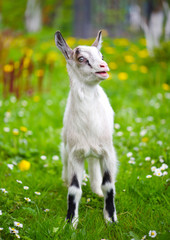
pixel 81 59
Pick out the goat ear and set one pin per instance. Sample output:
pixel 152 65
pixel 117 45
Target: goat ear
pixel 62 45
pixel 98 42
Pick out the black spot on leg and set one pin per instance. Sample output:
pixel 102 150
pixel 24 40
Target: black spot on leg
pixel 110 204
pixel 71 208
pixel 74 182
pixel 106 178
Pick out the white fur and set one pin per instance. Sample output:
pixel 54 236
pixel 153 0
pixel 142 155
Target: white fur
pixel 88 123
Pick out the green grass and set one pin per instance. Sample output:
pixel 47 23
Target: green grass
pixel 140 102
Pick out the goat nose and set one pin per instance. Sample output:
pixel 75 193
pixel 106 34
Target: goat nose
pixel 103 65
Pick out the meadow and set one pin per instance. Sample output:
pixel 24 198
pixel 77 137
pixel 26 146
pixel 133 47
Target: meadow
pixel 34 86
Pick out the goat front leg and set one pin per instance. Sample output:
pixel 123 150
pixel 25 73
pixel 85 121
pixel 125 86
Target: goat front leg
pixel 75 174
pixel 109 168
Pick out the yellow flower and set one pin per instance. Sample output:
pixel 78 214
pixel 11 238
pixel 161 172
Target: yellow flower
pixel 109 50
pixel 122 42
pixel 143 41
pixel 40 73
pixel 26 62
pixel 143 69
pixel 143 53
pixel 16 65
pixel 129 59
pixel 112 65
pixel 36 98
pixel 145 139
pixel 134 67
pixel 28 52
pixel 23 129
pixel 8 68
pixel 24 165
pixel 71 41
pixel 165 87
pixel 123 76
pixel 51 57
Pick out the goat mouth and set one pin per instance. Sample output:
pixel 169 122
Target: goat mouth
pixel 102 74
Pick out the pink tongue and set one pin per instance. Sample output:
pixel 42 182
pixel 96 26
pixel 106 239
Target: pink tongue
pixel 103 73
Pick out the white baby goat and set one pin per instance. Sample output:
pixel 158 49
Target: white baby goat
pixel 88 128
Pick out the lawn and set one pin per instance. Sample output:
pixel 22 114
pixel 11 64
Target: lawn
pixel 32 192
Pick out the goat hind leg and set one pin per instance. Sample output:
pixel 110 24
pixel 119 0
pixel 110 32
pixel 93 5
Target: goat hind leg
pixel 108 187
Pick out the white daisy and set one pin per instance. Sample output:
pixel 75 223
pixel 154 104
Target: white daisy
pixel 37 193
pixel 55 158
pixel 18 224
pixel 27 199
pixel 10 166
pixel 158 172
pixel 17 236
pixel 25 187
pixel 6 129
pixel 0 212
pixel 148 176
pixel 147 159
pixel 165 173
pixel 152 233
pixel 46 210
pixel 159 143
pixel 117 126
pixel 164 166
pixel 119 134
pixel 1 229
pixel 129 128
pixel 13 230
pixel 161 160
pixel 3 190
pixel 129 154
pixel 19 181
pixel 88 199
pixel 143 132
pixel 153 169
pixel 136 149
pixel 43 157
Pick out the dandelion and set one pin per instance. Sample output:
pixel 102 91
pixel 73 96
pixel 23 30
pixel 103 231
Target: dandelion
pixel 24 165
pixel 165 86
pixel 143 53
pixel 37 193
pixel 27 199
pixel 129 59
pixel 10 166
pixel 23 129
pixel 8 68
pixel 148 176
pixel 15 132
pixel 145 139
pixel 25 187
pixel 55 158
pixel 123 76
pixel 129 154
pixel 113 65
pixel 143 69
pixel 134 67
pixel 40 73
pixel 36 98
pixel 152 233
pixel 43 157
pixel 147 159
pixel 47 210
pixel 18 224
pixel 19 181
pixel 13 230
